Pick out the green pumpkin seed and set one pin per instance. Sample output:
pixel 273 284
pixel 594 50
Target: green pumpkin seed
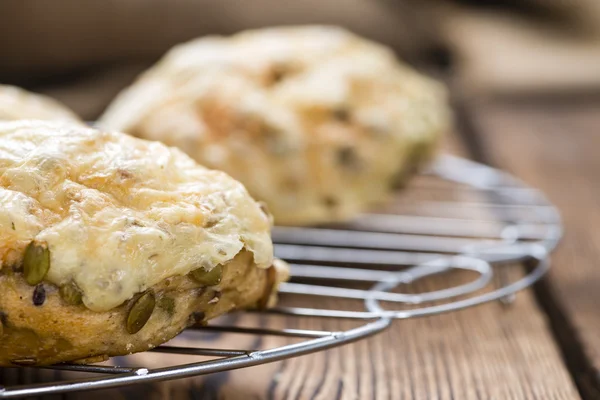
pixel 71 294
pixel 208 278
pixel 36 262
pixel 140 312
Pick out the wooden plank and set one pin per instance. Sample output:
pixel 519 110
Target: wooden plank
pixel 554 145
pixel 488 352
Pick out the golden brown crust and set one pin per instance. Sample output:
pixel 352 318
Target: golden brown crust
pixel 55 331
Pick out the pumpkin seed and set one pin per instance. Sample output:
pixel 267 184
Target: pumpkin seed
pixel 208 278
pixel 140 312
pixel 71 294
pixel 36 262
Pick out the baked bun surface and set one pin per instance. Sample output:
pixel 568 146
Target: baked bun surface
pixel 315 121
pixel 111 244
pixel 17 103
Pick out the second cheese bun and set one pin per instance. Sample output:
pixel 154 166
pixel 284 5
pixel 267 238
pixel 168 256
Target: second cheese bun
pixel 315 121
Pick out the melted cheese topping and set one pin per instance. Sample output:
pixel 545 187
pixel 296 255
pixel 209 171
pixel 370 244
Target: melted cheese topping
pixel 315 121
pixel 119 214
pixel 16 103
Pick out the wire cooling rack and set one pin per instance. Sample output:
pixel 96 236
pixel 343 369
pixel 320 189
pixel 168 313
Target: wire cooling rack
pixel 461 225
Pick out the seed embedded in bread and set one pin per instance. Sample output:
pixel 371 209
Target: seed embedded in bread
pixel 71 294
pixel 140 312
pixel 36 262
pixel 208 278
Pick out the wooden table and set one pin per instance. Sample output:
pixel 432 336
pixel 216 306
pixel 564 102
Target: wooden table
pixel 546 345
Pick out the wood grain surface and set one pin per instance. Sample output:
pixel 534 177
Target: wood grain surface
pixel 554 146
pixel 492 351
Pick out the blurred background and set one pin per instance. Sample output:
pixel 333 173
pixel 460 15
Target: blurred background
pixel 83 52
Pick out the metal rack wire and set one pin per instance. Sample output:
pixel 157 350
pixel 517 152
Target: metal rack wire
pixel 470 221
